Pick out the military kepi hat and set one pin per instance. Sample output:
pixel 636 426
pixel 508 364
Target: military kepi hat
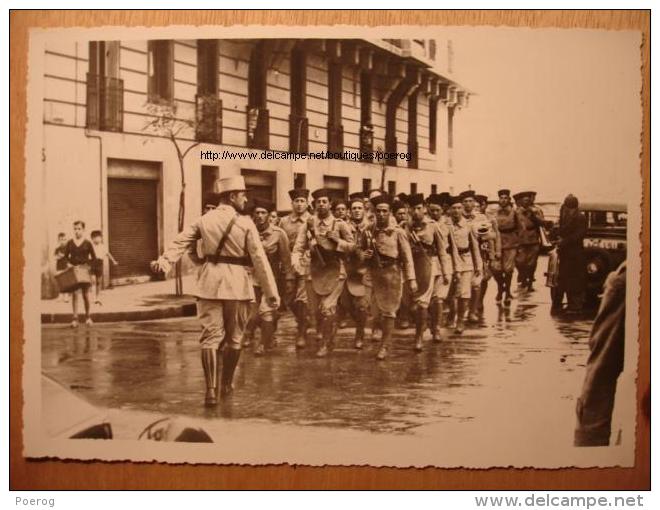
pixel 467 194
pixel 435 198
pixel 523 194
pixel 381 199
pixel 454 200
pixel 403 197
pixel 262 203
pixel 321 192
pixel 299 193
pixel 482 199
pixel 415 199
pixel 504 192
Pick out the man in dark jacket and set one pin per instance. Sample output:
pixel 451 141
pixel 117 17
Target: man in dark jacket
pixel 605 363
pixel 572 277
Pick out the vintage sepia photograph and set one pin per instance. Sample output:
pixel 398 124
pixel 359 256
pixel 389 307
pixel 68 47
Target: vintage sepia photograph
pixel 385 246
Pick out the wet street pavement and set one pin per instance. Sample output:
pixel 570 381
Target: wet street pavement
pixel 521 368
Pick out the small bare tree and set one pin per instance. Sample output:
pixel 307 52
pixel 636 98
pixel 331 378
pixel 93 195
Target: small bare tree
pixel 164 122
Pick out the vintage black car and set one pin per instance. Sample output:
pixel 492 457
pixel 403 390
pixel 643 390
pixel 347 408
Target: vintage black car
pixel 604 243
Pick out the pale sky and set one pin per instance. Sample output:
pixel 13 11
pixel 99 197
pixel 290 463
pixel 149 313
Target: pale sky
pixel 557 111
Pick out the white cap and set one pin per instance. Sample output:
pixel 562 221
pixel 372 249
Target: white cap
pixel 235 183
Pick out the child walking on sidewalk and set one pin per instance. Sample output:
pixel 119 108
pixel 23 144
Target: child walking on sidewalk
pixel 102 254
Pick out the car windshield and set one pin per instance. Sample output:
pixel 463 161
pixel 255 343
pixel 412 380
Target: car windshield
pixel 605 219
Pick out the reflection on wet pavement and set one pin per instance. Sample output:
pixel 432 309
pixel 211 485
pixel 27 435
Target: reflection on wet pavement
pixel 519 359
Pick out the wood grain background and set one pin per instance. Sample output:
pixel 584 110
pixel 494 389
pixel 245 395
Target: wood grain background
pixel 52 474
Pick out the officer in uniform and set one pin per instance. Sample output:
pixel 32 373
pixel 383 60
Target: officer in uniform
pixel 529 240
pixel 466 259
pixel 328 240
pixel 276 246
pixel 224 291
pixel 430 259
pixel 357 292
pixel 296 290
pixel 390 263
pixel 434 206
pixel 508 226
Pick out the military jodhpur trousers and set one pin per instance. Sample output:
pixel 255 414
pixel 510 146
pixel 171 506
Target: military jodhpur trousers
pixel 222 320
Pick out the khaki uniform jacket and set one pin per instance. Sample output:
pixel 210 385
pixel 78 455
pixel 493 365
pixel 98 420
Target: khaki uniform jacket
pixel 222 280
pixel 291 224
pixel 321 227
pixel 393 242
pixel 276 246
pixel 465 249
pixel 430 234
pixel 509 227
pixel 530 220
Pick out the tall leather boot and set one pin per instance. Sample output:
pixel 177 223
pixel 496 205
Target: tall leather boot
pixel 421 315
pixel 388 327
pixel 473 312
pixel 499 276
pixel 210 367
pixel 325 328
pixel 433 317
pixel 450 316
pixel 268 334
pixel 461 307
pixel 250 328
pixel 438 307
pixel 299 309
pixel 230 359
pixel 508 296
pixel 360 323
pixel 482 295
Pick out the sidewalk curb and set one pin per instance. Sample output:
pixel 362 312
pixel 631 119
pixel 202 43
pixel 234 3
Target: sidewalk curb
pixel 165 312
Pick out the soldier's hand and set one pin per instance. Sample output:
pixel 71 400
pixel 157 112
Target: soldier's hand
pixel 477 273
pixel 367 254
pixel 413 286
pixel 445 279
pixel 273 301
pixel 333 235
pixel 161 265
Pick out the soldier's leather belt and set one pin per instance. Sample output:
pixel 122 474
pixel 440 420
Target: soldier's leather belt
pixel 463 251
pixel 507 230
pixel 226 259
pixel 386 261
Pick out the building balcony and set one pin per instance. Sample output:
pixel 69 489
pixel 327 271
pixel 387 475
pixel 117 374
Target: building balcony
pixel 105 103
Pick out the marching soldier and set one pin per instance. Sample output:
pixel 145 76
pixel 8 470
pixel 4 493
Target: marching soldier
pixel 358 285
pixel 490 244
pixel 401 216
pixel 508 226
pixel 476 219
pixel 430 259
pixel 529 240
pixel 328 240
pixel 296 290
pixel 340 209
pixel 276 246
pixel 224 286
pixel 466 260
pixel 539 213
pixel 434 206
pixel 387 252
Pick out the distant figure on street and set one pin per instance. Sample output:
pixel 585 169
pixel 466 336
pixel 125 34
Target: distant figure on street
pixel 570 247
pixel 102 254
pixel 596 403
pixel 60 260
pixel 80 252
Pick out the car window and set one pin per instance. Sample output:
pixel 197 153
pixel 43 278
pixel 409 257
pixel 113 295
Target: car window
pixel 607 219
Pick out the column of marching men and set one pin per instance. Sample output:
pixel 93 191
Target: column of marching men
pixel 391 261
pixel 380 260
